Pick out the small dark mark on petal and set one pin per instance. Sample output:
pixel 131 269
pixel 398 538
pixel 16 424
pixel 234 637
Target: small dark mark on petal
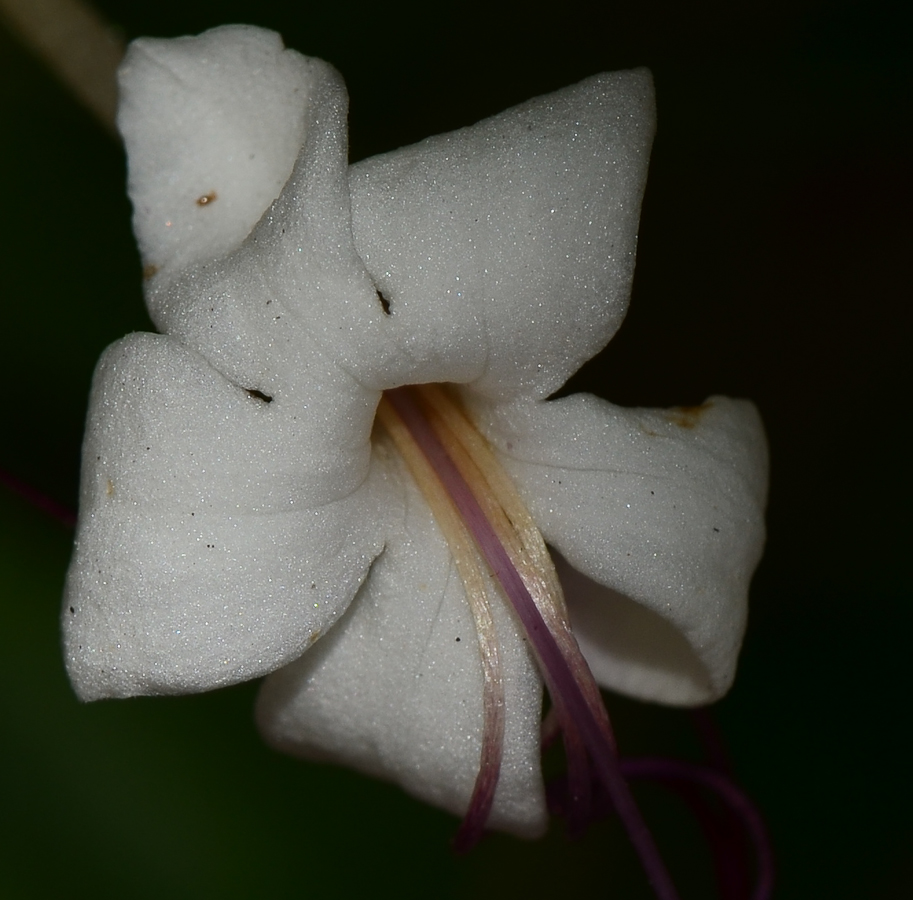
pixel 259 395
pixel 384 302
pixel 206 199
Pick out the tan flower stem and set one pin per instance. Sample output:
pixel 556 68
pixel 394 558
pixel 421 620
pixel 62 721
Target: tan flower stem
pixel 76 44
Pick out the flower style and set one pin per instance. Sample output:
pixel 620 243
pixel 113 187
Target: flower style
pixel 238 502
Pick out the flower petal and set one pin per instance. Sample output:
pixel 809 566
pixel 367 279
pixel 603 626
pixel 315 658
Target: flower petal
pixel 395 689
pixel 219 534
pixel 506 250
pixel 664 507
pixel 212 126
pixel 294 287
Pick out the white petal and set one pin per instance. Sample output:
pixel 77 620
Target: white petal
pixel 212 125
pixel 506 250
pixel 395 689
pixel 663 506
pixel 294 288
pixel 219 535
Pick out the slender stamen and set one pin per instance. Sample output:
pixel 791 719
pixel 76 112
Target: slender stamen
pixel 516 531
pixel 579 781
pixel 464 555
pixel 566 674
pixel 500 484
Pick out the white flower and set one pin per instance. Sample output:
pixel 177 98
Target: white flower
pixel 237 502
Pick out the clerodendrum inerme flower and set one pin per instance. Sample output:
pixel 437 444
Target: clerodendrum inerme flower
pixel 242 513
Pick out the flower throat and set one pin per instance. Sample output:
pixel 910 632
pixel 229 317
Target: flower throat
pixel 488 527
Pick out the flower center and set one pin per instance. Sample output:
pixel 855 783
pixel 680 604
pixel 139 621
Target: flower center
pixel 486 524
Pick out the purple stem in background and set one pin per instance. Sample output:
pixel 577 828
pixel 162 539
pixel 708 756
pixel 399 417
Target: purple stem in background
pixel 35 498
pixel 677 771
pixel 731 857
pixel 556 670
pixel 733 863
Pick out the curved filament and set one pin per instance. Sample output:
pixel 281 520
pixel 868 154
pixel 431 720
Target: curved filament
pixel 543 618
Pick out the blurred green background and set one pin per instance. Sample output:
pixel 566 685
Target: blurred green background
pixel 773 264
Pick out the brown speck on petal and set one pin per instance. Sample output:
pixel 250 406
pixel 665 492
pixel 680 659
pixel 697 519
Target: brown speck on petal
pixel 206 199
pixel 688 416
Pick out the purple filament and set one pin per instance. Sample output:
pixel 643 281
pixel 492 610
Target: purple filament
pixel 483 795
pixel 557 671
pixel 66 517
pixel 472 826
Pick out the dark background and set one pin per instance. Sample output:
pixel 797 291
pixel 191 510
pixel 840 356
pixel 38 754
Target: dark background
pixel 773 264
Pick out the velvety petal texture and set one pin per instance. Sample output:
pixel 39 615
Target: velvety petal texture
pixel 213 125
pixel 237 503
pixel 227 516
pixel 506 250
pixel 395 689
pixel 205 554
